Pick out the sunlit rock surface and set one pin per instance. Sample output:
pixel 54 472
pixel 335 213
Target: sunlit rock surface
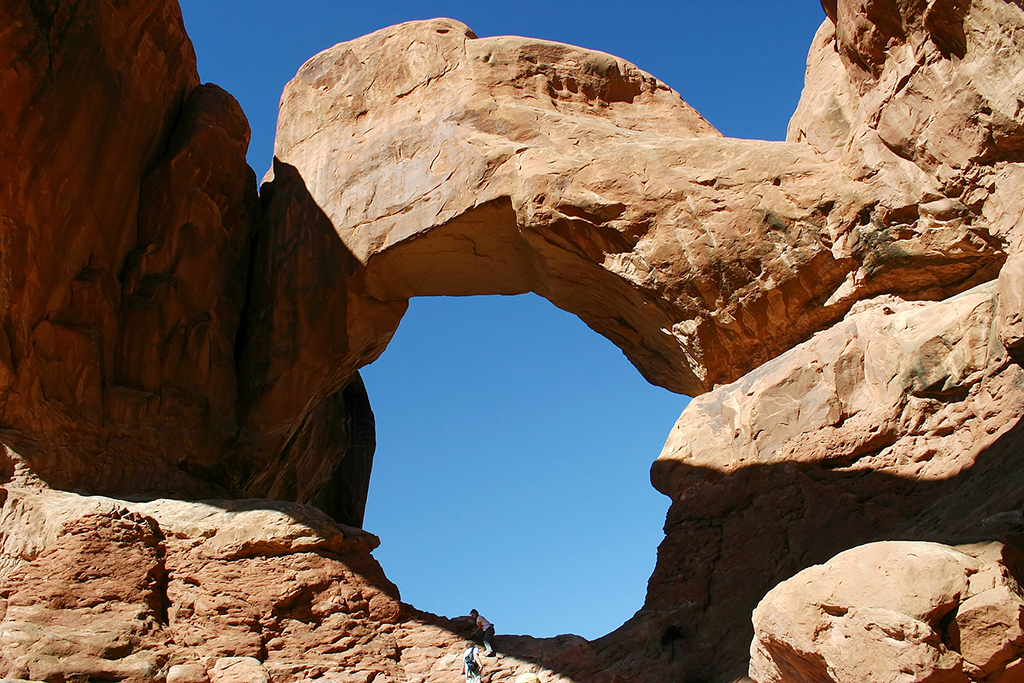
pixel 427 161
pixel 183 355
pixel 895 611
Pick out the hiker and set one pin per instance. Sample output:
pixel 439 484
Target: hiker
pixel 471 665
pixel 484 629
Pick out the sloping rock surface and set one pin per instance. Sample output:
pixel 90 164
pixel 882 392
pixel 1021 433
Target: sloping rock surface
pixel 95 588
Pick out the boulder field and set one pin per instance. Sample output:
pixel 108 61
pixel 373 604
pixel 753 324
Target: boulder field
pixel 187 444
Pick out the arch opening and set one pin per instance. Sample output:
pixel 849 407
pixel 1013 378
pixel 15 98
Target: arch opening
pixel 511 474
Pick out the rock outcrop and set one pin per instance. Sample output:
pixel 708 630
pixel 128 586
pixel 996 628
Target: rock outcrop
pixel 860 433
pixel 848 303
pixel 125 220
pixel 216 591
pixel 895 611
pixel 428 161
pixel 128 217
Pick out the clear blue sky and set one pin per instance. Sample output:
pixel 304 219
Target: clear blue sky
pixel 513 443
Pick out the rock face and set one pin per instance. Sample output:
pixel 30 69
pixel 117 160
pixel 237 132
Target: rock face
pixel 848 303
pixel 860 433
pixel 128 218
pixel 218 591
pixel 895 611
pixel 125 189
pixel 432 162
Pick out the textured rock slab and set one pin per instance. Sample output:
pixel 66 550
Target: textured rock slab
pixel 879 613
pixel 884 389
pixel 199 592
pixel 936 86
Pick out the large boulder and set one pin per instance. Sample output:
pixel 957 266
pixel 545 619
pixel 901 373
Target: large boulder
pixel 895 611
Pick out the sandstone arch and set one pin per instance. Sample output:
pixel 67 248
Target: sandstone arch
pixel 422 160
pixel 120 339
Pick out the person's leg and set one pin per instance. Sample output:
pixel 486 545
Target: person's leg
pixel 488 634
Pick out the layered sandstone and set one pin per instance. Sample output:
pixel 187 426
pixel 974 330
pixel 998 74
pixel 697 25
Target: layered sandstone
pixel 834 298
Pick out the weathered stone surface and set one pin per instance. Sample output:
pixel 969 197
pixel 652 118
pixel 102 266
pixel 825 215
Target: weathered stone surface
pixel 884 389
pixel 934 84
pixel 126 221
pixel 899 422
pixel 238 670
pixel 184 284
pixel 220 590
pixel 987 630
pixel 426 161
pixel 879 613
pixel 185 342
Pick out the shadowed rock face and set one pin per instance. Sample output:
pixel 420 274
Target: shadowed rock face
pixel 125 220
pixel 846 305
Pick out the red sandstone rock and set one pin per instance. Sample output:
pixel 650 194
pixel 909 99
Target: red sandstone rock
pixel 864 432
pixel 399 175
pixel 879 613
pixel 515 165
pixel 219 591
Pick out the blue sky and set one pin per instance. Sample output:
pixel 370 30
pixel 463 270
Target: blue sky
pixel 514 444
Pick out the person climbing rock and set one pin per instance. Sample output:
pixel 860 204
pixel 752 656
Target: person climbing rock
pixel 484 629
pixel 471 665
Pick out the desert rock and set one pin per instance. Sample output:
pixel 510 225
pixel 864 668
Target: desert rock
pixel 427 161
pixel 847 303
pixel 879 613
pixel 867 431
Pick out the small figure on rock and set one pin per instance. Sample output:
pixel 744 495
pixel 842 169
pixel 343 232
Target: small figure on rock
pixel 471 665
pixel 484 629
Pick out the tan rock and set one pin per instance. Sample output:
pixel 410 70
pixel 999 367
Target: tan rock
pixel 987 630
pixel 190 672
pixel 866 431
pixel 248 591
pixel 877 391
pixel 879 613
pixel 937 85
pixel 88 604
pixel 423 160
pixel 238 670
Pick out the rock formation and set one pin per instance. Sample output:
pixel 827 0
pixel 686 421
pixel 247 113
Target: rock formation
pixel 888 611
pixel 126 217
pixel 179 389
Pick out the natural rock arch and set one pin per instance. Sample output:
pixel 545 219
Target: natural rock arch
pixel 133 361
pixel 422 160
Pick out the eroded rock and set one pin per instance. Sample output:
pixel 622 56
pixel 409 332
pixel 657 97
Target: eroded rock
pixel 159 354
pixel 219 590
pixel 892 611
pixel 426 161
